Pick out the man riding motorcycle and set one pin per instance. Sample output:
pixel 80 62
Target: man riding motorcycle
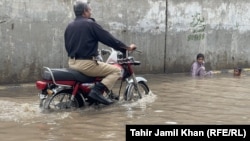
pixel 81 42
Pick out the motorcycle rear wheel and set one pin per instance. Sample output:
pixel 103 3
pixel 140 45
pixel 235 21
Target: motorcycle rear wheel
pixel 62 101
pixel 132 94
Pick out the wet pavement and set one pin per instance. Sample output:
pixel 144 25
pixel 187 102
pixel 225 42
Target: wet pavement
pixel 174 99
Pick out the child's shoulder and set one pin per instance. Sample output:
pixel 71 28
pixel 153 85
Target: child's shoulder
pixel 194 63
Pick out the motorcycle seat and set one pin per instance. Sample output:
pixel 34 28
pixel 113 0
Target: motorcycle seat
pixel 67 74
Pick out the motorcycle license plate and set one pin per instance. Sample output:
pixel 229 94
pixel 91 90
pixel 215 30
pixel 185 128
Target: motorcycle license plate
pixel 42 96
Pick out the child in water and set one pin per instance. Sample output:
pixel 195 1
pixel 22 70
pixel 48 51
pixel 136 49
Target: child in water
pixel 237 71
pixel 198 68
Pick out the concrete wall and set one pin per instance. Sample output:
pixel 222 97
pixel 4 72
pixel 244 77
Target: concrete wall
pixel 217 28
pixel 136 21
pixel 31 36
pixel 169 32
pixel 31 33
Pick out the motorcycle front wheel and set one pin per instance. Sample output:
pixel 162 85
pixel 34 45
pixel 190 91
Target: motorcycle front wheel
pixel 62 101
pixel 132 94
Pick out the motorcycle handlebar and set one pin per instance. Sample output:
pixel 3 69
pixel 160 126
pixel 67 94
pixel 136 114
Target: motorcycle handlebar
pixel 138 50
pixel 107 51
pixel 127 52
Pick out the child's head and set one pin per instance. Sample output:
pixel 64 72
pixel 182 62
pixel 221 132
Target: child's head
pixel 200 58
pixel 237 71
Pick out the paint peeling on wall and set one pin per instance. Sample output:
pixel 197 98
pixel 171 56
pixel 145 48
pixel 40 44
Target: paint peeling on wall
pixel 4 18
pixel 154 19
pixel 230 16
pixel 180 15
pixel 225 16
pixel 116 26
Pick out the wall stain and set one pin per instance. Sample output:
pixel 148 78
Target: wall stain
pixel 12 26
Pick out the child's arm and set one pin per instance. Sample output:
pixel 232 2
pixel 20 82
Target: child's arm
pixel 194 69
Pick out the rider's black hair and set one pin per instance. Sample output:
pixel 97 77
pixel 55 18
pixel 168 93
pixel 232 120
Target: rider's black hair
pixel 200 55
pixel 80 7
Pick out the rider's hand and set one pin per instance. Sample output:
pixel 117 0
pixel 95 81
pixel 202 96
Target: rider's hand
pixel 132 47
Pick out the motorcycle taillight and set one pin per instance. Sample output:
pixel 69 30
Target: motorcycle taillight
pixel 41 85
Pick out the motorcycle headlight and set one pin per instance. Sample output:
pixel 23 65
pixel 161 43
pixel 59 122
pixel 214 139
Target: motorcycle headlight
pixel 119 55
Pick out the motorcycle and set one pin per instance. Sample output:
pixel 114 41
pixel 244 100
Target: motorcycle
pixel 64 88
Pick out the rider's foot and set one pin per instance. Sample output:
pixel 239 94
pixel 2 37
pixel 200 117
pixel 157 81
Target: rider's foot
pixel 114 96
pixel 96 94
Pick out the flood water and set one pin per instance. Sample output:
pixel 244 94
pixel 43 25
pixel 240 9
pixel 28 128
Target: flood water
pixel 174 99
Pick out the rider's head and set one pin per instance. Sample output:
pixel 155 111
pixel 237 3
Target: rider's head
pixel 82 9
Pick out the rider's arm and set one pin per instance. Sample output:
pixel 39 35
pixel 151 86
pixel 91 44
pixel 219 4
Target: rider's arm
pixel 106 38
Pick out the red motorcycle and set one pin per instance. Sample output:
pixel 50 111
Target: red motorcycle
pixel 64 88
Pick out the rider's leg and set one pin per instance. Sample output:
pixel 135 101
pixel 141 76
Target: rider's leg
pixel 96 94
pixel 113 95
pixel 110 80
pixel 92 68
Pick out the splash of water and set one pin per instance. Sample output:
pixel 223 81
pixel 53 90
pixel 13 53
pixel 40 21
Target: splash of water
pixel 25 112
pixel 141 103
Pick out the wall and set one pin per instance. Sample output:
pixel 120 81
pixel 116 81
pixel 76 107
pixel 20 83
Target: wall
pixel 169 32
pixel 219 29
pixel 142 24
pixel 31 33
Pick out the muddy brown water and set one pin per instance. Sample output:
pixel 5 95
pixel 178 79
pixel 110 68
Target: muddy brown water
pixel 174 99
